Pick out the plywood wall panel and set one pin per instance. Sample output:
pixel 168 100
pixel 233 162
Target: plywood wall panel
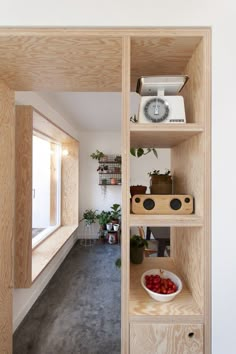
pixel 7 206
pixel 70 183
pixel 194 91
pixel 23 238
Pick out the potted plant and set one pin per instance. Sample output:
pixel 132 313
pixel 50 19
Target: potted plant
pixel 97 155
pixel 137 246
pixel 115 213
pixel 104 218
pixel 90 216
pixel 160 183
pixel 118 159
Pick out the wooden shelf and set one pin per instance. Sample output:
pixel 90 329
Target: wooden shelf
pixel 162 135
pixel 141 305
pixel 166 220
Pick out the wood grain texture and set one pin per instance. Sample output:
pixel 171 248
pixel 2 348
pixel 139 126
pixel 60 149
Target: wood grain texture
pixel 23 236
pixel 166 338
pixel 7 215
pixel 188 168
pixel 194 92
pixel 90 59
pixel 188 251
pixel 207 194
pixel 125 192
pixel 43 125
pixel 160 56
pixel 70 184
pixel 161 135
pixel 162 204
pixel 47 250
pixel 166 220
pixel 142 306
pixel 53 184
pixel 61 63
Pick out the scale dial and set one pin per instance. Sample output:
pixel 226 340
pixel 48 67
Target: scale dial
pixel 156 109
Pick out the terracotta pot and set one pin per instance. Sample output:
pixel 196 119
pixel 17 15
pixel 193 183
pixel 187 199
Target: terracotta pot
pixel 137 190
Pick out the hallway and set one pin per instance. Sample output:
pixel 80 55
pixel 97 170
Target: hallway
pixel 79 311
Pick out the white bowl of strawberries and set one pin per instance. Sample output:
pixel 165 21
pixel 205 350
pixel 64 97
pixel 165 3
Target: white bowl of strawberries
pixel 161 284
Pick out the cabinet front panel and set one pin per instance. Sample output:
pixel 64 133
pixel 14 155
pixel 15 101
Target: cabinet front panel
pixel 148 338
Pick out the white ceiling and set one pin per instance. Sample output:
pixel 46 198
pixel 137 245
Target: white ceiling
pixel 90 111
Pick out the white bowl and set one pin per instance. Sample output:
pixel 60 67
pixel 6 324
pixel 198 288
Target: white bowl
pixel 163 274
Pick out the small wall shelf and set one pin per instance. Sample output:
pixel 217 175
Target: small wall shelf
pixel 109 170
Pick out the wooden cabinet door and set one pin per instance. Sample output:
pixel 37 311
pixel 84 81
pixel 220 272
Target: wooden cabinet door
pixel 148 338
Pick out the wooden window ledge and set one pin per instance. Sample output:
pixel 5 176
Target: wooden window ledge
pixel 47 250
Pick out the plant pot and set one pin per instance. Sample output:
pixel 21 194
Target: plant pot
pixel 161 184
pixel 113 181
pixel 109 226
pixel 116 227
pixel 136 255
pixel 137 190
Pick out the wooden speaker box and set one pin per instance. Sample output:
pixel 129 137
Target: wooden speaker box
pixel 162 204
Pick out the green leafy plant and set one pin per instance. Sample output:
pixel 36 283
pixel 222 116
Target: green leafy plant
pixel 137 241
pixel 118 263
pixel 138 152
pixel 97 155
pixel 90 216
pixel 157 173
pixel 104 217
pixel 115 211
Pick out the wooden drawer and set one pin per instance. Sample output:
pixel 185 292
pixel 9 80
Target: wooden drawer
pixel 150 338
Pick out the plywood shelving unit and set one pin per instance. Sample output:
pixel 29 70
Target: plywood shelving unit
pixel 111 60
pixel 185 53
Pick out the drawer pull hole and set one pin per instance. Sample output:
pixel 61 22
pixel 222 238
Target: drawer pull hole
pixel 191 335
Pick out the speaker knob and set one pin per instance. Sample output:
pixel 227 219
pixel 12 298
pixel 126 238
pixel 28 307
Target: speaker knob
pixel 148 204
pixel 175 204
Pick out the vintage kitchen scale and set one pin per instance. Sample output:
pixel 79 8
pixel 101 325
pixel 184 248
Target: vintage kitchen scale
pixel 159 101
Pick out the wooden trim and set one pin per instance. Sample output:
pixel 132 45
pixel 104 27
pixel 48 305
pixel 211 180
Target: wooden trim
pixel 207 194
pixel 47 250
pixel 125 192
pixel 105 31
pixel 7 206
pixel 162 135
pixel 70 184
pixel 53 184
pixel 23 236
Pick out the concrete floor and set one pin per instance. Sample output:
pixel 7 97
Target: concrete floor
pixel 79 311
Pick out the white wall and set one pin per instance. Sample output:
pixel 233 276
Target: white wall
pixel 91 194
pixel 221 16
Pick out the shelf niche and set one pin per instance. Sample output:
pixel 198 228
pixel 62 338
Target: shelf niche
pixel 184 52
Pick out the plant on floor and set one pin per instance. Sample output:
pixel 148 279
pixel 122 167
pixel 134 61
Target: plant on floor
pixel 90 216
pixel 115 212
pixel 118 263
pixel 104 218
pixel 137 246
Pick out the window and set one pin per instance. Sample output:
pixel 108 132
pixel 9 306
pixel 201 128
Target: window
pixel 46 195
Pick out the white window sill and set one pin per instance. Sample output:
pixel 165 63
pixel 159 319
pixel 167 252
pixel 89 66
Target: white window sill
pixel 47 250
